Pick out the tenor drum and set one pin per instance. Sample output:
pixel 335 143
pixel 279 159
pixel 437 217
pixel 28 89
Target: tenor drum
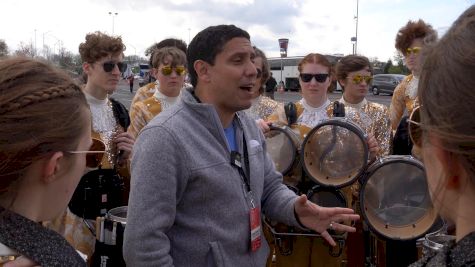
pixel 335 153
pixel 396 205
pixel 282 145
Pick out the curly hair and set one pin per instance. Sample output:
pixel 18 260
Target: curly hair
pixel 414 30
pixel 99 45
pixel 208 43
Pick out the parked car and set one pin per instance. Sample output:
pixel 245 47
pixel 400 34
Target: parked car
pixel 386 83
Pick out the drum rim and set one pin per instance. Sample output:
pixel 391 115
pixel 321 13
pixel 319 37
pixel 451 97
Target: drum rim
pixel 429 218
pixel 343 122
pixel 320 188
pixel 116 218
pixel 294 150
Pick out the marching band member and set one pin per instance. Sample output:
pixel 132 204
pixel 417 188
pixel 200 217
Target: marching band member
pixel 445 132
pixel 354 73
pixel 43 154
pixel 263 107
pixel 168 66
pixel 102 57
pixel 150 88
pixel 411 40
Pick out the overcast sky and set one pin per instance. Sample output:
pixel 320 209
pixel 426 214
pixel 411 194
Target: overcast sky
pixel 311 25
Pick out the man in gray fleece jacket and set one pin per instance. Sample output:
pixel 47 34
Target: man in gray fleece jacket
pixel 201 175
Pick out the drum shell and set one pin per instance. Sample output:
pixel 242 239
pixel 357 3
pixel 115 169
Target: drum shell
pixel 370 195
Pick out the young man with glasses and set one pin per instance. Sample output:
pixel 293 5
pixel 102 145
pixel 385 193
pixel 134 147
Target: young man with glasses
pixel 168 66
pixel 102 57
pixel 149 89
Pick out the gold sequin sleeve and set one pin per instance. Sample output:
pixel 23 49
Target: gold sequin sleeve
pixel 398 104
pixel 138 118
pixel 143 93
pixel 382 129
pixel 278 116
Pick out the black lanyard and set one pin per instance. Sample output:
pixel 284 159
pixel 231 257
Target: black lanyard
pixel 236 161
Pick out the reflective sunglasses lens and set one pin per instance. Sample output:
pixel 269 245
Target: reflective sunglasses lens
pixel 166 71
pixel 321 77
pixel 259 73
pixel 368 79
pixel 108 66
pixel 306 77
pixel 180 70
pixel 122 66
pixel 415 132
pixel 93 160
pixel 357 79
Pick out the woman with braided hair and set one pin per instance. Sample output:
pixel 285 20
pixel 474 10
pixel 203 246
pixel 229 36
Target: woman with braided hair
pixel 45 137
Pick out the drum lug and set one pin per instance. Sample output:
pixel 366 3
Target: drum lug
pixel 336 251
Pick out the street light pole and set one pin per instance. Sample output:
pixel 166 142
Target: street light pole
pixel 356 36
pixel 113 14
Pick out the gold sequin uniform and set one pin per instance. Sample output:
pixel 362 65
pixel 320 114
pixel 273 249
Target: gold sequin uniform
pixel 263 107
pixel 404 98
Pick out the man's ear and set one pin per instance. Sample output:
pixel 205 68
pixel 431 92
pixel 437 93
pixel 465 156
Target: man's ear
pixel 51 167
pixel 86 67
pixel 202 70
pixel 342 83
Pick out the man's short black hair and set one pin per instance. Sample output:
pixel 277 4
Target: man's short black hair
pixel 208 43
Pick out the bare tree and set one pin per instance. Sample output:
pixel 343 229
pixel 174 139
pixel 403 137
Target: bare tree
pixel 3 48
pixel 26 50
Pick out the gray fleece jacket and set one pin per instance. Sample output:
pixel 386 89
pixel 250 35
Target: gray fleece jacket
pixel 188 204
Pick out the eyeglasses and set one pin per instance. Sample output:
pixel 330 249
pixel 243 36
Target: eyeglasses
pixel 110 65
pixel 415 127
pixel 357 79
pixel 94 155
pixel 259 73
pixel 167 70
pixel 319 77
pixel 415 50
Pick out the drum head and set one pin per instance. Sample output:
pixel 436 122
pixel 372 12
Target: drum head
pixel 327 197
pixel 118 214
pixel 281 148
pixel 335 153
pixel 395 200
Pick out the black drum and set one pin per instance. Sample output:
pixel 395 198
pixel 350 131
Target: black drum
pixel 327 197
pixel 335 153
pixel 282 145
pixel 98 191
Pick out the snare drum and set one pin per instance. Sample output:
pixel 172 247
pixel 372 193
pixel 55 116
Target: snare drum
pixel 397 207
pixel 282 145
pixel 335 153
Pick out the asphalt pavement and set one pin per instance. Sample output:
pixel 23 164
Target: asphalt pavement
pixel 123 95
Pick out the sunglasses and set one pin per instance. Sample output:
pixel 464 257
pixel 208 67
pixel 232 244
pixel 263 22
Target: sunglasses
pixel 357 79
pixel 414 127
pixel 259 73
pixel 415 50
pixel 167 70
pixel 110 65
pixel 94 155
pixel 319 77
